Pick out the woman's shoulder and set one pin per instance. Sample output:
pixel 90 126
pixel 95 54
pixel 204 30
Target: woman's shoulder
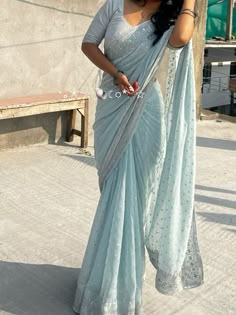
pixel 112 5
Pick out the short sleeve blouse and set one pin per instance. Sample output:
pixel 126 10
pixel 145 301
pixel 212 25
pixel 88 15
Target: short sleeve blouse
pixel 98 26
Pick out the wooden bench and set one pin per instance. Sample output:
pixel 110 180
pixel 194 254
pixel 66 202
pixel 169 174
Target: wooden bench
pixel 47 103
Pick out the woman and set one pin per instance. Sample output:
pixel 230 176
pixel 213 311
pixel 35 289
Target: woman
pixel 144 140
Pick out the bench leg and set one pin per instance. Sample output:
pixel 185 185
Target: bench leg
pixel 71 125
pixel 84 126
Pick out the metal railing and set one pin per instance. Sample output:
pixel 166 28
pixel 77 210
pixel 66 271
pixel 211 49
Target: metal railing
pixel 223 83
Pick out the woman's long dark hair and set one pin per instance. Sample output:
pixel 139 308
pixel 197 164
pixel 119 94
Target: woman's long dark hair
pixel 165 16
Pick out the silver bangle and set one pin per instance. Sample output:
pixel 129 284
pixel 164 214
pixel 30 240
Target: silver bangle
pixel 116 76
pixel 189 10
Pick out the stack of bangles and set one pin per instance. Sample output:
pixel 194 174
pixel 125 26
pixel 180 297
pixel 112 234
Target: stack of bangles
pixel 116 76
pixel 189 12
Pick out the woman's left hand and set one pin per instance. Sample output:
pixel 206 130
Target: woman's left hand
pixel 130 89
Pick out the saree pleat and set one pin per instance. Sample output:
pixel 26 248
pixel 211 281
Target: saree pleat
pixel 145 159
pixel 114 262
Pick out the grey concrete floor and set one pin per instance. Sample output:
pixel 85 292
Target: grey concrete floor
pixel 48 197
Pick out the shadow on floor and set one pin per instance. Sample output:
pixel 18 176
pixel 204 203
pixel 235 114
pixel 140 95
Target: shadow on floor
pixel 221 190
pixel 221 218
pixel 216 143
pixel 216 201
pixel 88 160
pixel 28 289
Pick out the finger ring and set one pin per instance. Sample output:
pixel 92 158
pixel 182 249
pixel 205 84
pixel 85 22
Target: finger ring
pixel 124 91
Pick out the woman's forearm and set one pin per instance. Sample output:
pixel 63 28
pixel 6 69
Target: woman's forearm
pixel 94 53
pixel 184 26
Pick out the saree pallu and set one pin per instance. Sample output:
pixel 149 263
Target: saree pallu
pixel 145 158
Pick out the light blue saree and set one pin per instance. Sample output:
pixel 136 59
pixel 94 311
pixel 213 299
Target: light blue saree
pixel 145 158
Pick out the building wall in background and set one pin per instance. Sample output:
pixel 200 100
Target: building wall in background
pixel 40 52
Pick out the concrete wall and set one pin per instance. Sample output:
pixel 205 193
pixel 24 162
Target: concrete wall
pixel 40 53
pixel 43 128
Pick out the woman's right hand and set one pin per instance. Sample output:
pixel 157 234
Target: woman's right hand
pixel 124 84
